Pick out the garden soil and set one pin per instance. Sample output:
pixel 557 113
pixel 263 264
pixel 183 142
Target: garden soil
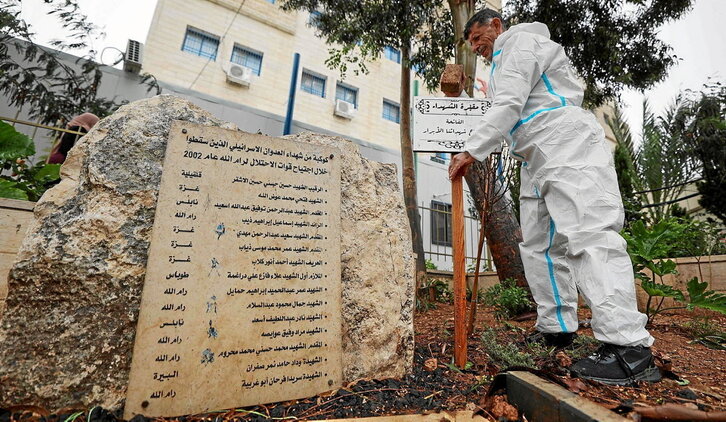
pixel 695 378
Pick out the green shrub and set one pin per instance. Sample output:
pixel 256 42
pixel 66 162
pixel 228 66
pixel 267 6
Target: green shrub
pixel 648 246
pixel 430 265
pixel 507 299
pixel 479 296
pixel 698 238
pixel 25 181
pixel 442 290
pixel 707 333
pixel 504 354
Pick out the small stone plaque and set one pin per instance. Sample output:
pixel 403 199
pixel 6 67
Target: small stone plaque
pixel 242 299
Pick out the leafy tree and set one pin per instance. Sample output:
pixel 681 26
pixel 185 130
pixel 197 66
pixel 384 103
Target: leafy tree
pixel 625 172
pixel 358 31
pixel 51 89
pixel 611 43
pixel 704 131
pixel 661 167
pixel 609 48
pixel 36 78
pixel 625 166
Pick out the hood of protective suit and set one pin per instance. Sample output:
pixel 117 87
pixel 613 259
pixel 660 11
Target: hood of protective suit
pixel 532 28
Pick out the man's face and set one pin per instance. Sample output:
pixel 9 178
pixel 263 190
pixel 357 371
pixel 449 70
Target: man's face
pixel 482 36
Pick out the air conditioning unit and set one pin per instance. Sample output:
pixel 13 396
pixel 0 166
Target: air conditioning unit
pixel 344 109
pixel 238 74
pixel 133 56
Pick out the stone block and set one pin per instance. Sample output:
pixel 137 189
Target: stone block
pixel 67 335
pixel 542 401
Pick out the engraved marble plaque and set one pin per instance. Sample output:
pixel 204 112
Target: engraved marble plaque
pixel 241 303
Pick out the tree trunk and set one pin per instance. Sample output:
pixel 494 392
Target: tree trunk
pixel 502 229
pixel 409 176
pixel 461 11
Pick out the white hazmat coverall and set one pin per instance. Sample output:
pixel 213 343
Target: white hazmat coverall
pixel 570 205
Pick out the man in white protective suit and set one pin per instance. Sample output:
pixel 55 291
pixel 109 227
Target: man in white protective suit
pixel 570 205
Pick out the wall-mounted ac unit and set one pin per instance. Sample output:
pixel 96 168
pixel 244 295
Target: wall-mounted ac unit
pixel 133 56
pixel 344 109
pixel 238 74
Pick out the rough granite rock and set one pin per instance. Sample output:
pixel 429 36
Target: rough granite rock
pixel 67 333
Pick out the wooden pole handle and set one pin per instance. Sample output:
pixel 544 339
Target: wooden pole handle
pixel 457 222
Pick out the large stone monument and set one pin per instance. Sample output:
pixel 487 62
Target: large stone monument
pixel 67 335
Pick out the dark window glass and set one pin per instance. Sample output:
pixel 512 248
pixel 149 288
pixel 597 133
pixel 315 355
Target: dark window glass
pixel 313 84
pixel 313 19
pixel 247 58
pixel 348 94
pixel 440 223
pixel 392 54
pixel 391 111
pixel 201 44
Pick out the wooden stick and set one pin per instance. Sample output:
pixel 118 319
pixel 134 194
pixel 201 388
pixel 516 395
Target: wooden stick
pixel 475 287
pixel 457 222
pixel 474 300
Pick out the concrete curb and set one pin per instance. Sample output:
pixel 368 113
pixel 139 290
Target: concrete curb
pixel 543 401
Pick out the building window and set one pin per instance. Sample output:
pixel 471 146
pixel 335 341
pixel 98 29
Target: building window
pixel 247 58
pixel 313 18
pixel 440 223
pixel 440 157
pixel 346 93
pixel 392 54
pixel 201 44
pixel 313 84
pixel 391 111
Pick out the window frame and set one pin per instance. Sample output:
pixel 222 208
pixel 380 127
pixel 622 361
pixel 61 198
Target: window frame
pixel 390 52
pixel 441 220
pixel 250 52
pixel 311 90
pixel 398 111
pixel 349 88
pixel 312 22
pixel 204 36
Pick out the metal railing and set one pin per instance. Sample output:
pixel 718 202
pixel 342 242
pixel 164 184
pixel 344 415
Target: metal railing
pixel 37 126
pixel 437 239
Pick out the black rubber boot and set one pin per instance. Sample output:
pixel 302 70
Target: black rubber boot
pixel 618 365
pixel 556 340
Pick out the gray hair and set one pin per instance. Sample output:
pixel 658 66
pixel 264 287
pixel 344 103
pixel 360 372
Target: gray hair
pixel 481 17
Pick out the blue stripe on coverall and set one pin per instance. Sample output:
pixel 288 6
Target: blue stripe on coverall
pixel 550 264
pixel 494 65
pixel 550 89
pixel 551 268
pixel 491 77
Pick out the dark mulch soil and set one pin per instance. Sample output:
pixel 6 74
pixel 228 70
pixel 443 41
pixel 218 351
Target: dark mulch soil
pixel 696 377
pixel 430 389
